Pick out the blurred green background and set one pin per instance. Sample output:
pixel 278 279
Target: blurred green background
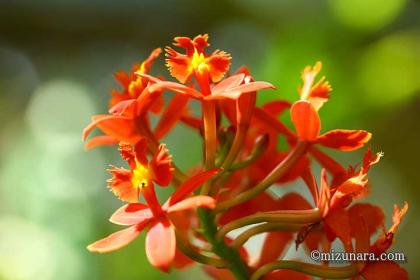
pixel 56 65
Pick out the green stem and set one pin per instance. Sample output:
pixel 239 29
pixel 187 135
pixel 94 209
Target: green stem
pixel 267 227
pixel 189 251
pixel 225 252
pixel 284 216
pixel 279 171
pixel 310 269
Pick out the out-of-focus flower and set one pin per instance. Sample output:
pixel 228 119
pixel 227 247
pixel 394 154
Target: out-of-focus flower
pixel 132 84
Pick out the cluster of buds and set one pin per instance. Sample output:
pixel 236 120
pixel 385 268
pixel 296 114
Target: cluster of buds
pixel 242 163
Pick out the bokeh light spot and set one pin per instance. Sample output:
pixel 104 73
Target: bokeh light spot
pixel 367 15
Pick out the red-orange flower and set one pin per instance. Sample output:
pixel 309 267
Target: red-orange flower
pixel 230 88
pixel 317 93
pixel 196 60
pixel 333 201
pixel 132 84
pixel 307 123
pixel 127 184
pixel 361 227
pixel 160 239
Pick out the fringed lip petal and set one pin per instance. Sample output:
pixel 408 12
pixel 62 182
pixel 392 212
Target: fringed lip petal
pixel 131 214
pixel 161 245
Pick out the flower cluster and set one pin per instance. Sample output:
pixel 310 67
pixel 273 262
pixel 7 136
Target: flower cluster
pixel 242 163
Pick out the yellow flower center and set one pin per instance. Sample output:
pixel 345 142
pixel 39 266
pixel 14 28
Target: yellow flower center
pixel 141 176
pixel 199 62
pixel 134 87
pixel 137 84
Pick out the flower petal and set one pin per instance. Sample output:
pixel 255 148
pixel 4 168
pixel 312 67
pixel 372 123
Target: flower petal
pixel 218 273
pixel 102 140
pixel 219 62
pixel 171 115
pixel 178 65
pixel 189 186
pixel 116 240
pixel 181 260
pixel 228 83
pixel 384 271
pixel 328 163
pixel 344 140
pixel 131 214
pixel 267 119
pixel 236 92
pixel 161 165
pixel 192 203
pixel 177 88
pixel 306 120
pixel 121 128
pixel 120 184
pixel 337 222
pixel 140 152
pixel 273 246
pixel 373 215
pixel 281 274
pixel 369 160
pixel 161 245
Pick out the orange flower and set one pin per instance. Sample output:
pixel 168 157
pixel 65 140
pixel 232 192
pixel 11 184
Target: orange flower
pixel 362 228
pixel 317 93
pixel 333 201
pixel 307 123
pixel 208 71
pixel 160 238
pixel 196 60
pixel 132 84
pixel 127 184
pixel 230 88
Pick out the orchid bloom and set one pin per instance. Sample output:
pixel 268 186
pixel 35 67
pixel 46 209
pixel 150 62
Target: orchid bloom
pixel 129 107
pixel 333 201
pixel 243 161
pixel 160 239
pixel 361 226
pixel 196 61
pixel 316 93
pixel 132 84
pixel 307 123
pixel 208 71
pixel 128 184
